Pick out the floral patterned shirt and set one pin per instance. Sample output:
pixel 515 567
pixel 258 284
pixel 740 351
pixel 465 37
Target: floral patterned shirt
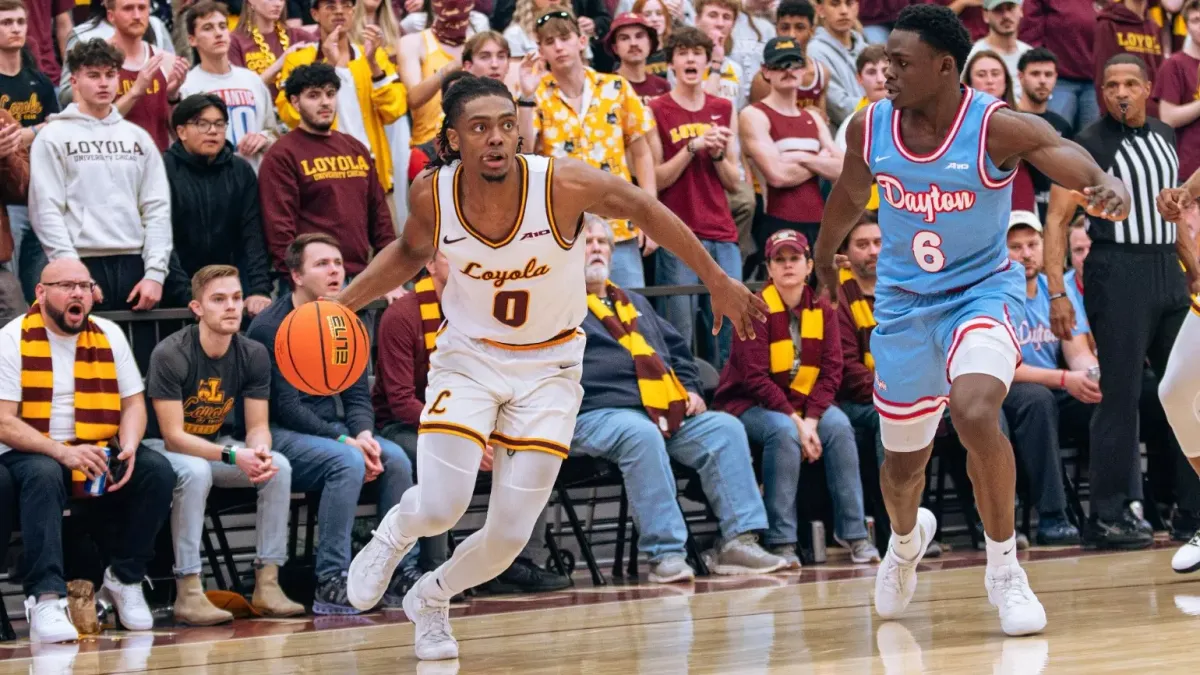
pixel 613 117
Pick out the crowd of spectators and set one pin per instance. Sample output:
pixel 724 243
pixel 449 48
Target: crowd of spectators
pixel 244 159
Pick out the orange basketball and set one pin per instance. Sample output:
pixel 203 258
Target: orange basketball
pixel 322 348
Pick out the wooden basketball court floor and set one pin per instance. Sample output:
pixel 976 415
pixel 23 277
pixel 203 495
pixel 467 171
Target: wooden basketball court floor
pixel 1108 613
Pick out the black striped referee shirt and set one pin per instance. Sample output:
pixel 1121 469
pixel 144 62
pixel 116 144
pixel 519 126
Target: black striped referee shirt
pixel 1144 159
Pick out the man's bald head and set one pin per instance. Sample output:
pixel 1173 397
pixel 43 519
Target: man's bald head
pixel 65 296
pixel 65 269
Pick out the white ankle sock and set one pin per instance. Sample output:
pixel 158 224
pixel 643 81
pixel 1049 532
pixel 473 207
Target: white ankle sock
pixel 907 546
pixel 434 589
pixel 1000 553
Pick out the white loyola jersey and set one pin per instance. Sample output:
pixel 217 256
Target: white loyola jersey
pixel 523 289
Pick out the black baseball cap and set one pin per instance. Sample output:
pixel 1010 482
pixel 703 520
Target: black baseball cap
pixel 782 50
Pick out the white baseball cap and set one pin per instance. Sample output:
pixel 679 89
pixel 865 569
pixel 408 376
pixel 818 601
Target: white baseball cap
pixel 1025 218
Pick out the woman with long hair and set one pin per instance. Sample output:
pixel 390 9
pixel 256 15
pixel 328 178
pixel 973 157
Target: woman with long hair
pixel 378 13
pixel 986 72
pixel 658 17
pixel 262 38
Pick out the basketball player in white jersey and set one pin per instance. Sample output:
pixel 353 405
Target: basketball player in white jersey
pixel 507 363
pixel 1179 389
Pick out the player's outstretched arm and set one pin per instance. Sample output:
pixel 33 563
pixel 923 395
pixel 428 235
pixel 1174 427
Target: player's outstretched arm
pixel 844 207
pixel 591 190
pixel 400 260
pixel 1014 135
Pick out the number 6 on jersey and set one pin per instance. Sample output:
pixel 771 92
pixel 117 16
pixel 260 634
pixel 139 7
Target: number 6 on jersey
pixel 925 249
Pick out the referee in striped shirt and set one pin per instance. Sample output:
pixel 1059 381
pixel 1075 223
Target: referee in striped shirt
pixel 1135 294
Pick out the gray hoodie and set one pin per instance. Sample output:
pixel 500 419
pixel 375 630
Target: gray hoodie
pixel 843 92
pixel 98 188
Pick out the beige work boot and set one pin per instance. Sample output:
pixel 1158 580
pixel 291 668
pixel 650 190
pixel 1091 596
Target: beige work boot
pixel 269 598
pixel 193 607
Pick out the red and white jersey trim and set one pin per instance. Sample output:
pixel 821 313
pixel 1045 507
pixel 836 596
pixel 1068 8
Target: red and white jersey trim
pixel 898 139
pixel 987 180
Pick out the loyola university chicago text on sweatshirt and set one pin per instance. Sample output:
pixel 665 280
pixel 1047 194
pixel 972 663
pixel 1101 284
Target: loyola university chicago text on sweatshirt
pixel 98 188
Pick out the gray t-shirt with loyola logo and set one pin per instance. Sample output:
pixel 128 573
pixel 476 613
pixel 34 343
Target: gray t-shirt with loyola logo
pixel 209 388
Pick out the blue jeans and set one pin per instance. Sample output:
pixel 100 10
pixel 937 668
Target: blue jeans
pixel 28 255
pixel 712 443
pixel 1076 101
pixel 780 439
pixel 625 267
pixel 864 417
pixel 336 470
pixel 680 310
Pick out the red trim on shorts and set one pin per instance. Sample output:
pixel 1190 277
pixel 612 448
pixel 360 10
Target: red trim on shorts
pixel 980 322
pixel 968 95
pixel 922 407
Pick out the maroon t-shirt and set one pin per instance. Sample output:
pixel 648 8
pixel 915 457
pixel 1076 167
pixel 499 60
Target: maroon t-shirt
pixel 40 35
pixel 1065 27
pixel 650 88
pixel 972 18
pixel 152 111
pixel 1178 82
pixel 245 52
pixel 799 132
pixel 697 197
pixel 1120 31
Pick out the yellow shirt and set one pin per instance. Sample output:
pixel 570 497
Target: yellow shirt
pixel 382 102
pixel 427 118
pixel 873 202
pixel 613 117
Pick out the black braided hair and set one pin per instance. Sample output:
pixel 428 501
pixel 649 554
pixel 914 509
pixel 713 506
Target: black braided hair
pixel 940 28
pixel 458 90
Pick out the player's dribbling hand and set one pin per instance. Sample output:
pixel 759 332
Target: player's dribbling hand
pixel 1062 318
pixel 1110 202
pixel 730 298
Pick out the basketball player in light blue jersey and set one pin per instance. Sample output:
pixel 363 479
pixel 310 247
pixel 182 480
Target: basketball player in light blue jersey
pixel 944 157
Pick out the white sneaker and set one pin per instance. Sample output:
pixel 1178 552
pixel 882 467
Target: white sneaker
pixel 896 579
pixel 52 659
pixel 673 568
pixel 1187 558
pixel 371 570
pixel 1020 611
pixel 431 625
pixel 48 621
pixel 132 611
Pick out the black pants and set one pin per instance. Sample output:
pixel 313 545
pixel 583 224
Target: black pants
pixel 1037 419
pixel 135 513
pixel 117 275
pixel 1136 299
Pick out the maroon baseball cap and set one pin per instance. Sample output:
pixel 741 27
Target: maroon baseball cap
pixel 630 19
pixel 789 239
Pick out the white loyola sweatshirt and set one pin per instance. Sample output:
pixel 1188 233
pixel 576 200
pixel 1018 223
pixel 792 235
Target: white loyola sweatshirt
pixel 97 187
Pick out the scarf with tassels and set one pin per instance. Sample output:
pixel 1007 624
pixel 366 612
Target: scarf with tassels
pixel 663 394
pixel 431 311
pixel 783 349
pixel 860 311
pixel 97 396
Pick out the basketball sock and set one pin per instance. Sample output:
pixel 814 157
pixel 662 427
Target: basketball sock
pixel 521 485
pixel 907 546
pixel 1001 553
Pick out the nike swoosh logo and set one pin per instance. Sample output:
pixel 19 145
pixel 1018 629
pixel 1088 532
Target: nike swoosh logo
pixel 1009 550
pixel 569 365
pixel 448 240
pixel 880 159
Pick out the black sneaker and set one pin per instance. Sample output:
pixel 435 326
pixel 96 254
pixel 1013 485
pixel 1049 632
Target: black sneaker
pixel 1056 530
pixel 403 580
pixel 1136 513
pixel 1123 534
pixel 1184 524
pixel 523 576
pixel 330 598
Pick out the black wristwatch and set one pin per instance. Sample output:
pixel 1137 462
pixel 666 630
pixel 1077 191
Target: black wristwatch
pixel 228 455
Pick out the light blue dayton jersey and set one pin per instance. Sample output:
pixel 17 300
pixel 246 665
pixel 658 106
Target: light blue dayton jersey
pixel 943 216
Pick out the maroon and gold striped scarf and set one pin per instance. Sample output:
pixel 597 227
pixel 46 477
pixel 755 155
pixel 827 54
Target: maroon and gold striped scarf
pixel 97 396
pixel 783 350
pixel 431 311
pixel 860 311
pixel 663 394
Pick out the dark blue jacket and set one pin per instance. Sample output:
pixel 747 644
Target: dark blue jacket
pixel 302 413
pixel 609 380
